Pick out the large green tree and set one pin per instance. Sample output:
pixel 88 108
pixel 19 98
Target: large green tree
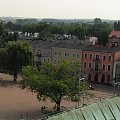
pixel 52 81
pixel 19 54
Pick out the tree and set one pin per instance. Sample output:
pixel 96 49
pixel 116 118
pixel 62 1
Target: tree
pixel 18 54
pixel 3 60
pixel 52 81
pixel 1 29
pixel 44 35
pixel 117 25
pixel 97 21
pixel 15 36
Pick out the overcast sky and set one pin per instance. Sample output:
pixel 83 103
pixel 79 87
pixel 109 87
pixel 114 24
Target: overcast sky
pixel 108 9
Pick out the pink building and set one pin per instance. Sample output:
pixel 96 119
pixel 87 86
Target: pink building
pixel 98 63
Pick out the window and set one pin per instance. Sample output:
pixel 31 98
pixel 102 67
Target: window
pixel 65 54
pixel 109 58
pixel 104 57
pixel 55 53
pixel 73 55
pixel 34 50
pixel 48 60
pixel 97 56
pixel 85 55
pixel 108 67
pixel 96 66
pixel 90 65
pixel 108 77
pixel 84 64
pixel 103 67
pixel 39 52
pixel 90 56
pixel 78 56
pixel 55 61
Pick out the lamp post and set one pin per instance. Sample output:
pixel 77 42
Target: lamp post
pixel 81 80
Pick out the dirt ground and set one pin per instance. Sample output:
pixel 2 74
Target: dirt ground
pixel 14 101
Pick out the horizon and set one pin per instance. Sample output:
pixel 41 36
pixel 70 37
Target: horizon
pixel 61 9
pixel 19 17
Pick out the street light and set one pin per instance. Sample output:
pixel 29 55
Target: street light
pixel 118 85
pixel 81 80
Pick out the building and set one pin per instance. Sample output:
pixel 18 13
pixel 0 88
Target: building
pixel 116 71
pixel 114 38
pixel 68 51
pixel 42 50
pixel 55 51
pixel 98 63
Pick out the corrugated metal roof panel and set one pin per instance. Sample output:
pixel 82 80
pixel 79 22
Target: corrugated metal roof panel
pixel 108 109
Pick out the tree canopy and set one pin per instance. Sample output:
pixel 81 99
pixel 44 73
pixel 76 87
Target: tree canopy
pixel 14 56
pixel 52 81
pixel 19 54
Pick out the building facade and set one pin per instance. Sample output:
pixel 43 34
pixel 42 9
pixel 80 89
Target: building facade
pixel 116 71
pixel 98 63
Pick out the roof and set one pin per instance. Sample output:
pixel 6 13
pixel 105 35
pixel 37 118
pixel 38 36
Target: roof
pixel 43 44
pixel 115 33
pixel 108 109
pixel 118 60
pixel 55 43
pixel 77 46
pixel 100 48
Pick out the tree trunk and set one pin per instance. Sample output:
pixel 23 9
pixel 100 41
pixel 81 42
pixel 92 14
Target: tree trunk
pixel 58 106
pixel 15 76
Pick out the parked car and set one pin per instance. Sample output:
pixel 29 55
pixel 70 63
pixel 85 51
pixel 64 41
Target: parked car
pixel 91 87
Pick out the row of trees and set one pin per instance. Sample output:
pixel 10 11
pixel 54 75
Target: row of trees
pixel 97 28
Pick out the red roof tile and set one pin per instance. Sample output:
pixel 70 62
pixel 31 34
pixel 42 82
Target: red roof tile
pixel 115 33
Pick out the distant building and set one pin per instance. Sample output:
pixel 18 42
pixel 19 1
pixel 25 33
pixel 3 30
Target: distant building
pixel 91 41
pixel 114 38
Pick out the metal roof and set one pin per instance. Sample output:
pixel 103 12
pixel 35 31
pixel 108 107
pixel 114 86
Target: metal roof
pixel 108 109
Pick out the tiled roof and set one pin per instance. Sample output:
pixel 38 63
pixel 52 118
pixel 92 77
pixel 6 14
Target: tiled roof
pixel 100 48
pixel 115 33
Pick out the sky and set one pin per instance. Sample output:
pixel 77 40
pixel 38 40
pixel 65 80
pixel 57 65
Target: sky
pixel 62 9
